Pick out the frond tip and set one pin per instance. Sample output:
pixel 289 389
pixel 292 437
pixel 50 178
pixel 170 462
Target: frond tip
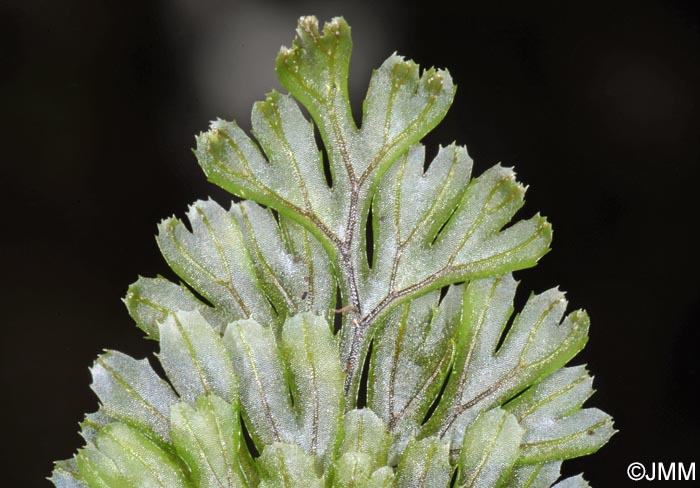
pixel 262 390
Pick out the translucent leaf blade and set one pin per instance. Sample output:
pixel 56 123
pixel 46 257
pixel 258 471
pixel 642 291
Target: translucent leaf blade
pixel 538 342
pixel 490 450
pixel 425 464
pixel 319 283
pixel 382 478
pixel 92 424
pixel 292 266
pixel 315 71
pixel 411 357
pixel 264 392
pixel 208 438
pixel 65 475
pixel 472 244
pixel 195 359
pixel 556 427
pixel 317 380
pixel 410 207
pixel 402 105
pixel 534 475
pixel 559 394
pixel 352 469
pixel 214 260
pixel 578 434
pixel 365 433
pixel 132 392
pixel 416 204
pixel 489 202
pixel 287 466
pixel 231 160
pixel 122 457
pixel 294 167
pixel 98 470
pixel 573 482
pixel 151 300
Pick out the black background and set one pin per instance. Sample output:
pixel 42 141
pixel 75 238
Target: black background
pixel 596 104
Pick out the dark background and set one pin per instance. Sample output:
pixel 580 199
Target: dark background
pixel 597 104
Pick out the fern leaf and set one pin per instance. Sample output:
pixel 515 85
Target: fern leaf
pixel 573 482
pixel 401 107
pixel 207 436
pixel 262 390
pixel 195 359
pixel 411 359
pixel 151 301
pixel 288 466
pixel 316 379
pixel 534 475
pixel 123 457
pixel 131 392
pixel 485 375
pixel 214 259
pixel 425 464
pixel 65 475
pixel 489 450
pixel 557 427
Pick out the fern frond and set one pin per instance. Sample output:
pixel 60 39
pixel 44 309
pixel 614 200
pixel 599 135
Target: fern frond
pixel 260 390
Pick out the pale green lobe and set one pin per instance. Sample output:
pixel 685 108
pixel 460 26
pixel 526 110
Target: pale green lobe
pixel 540 341
pixel 293 165
pixel 214 260
pixel 92 424
pixel 65 475
pixel 425 464
pixel 130 391
pixel 123 457
pixel 412 205
pixel 248 466
pixel 317 380
pixel 264 392
pixel 488 203
pixel 408 210
pixel 365 433
pixel 402 105
pixel 474 244
pixel 556 426
pixel 195 359
pixel 534 475
pixel 233 161
pixel 411 356
pixel 489 450
pixel 352 470
pixel 151 300
pixel 318 283
pixel 382 478
pixel 208 438
pixel 287 466
pixel 315 71
pixel 561 393
pixel 293 269
pixel 98 470
pixel 573 482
